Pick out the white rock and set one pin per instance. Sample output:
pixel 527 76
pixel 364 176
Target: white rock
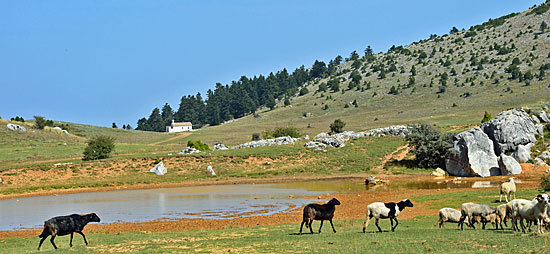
pixel 15 127
pixel 508 165
pixel 209 168
pixel 438 172
pixel 159 169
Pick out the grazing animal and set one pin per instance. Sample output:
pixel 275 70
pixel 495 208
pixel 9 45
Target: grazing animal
pixel 501 215
pixel 390 210
pixel 493 218
pixel 319 212
pixel 64 225
pixel 448 215
pixel 508 188
pixel 469 210
pixel 533 210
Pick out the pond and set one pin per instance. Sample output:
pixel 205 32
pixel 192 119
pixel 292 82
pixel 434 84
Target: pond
pixel 213 201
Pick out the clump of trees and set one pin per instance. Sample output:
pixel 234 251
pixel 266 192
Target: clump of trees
pixel 429 146
pixel 197 144
pixel 40 122
pixel 99 147
pixel 282 132
pixel 337 126
pixel 17 119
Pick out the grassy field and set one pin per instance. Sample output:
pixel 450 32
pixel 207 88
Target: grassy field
pixel 288 160
pixel 412 236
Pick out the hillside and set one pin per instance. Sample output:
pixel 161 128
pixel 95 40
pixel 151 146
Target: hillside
pixel 458 76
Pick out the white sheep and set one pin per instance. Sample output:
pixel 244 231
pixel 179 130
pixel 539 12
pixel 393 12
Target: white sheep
pixel 469 210
pixel 533 210
pixel 508 188
pixel 448 215
pixel 385 210
pixel 501 215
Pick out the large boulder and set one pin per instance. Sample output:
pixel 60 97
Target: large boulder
pixel 219 146
pixel 159 169
pixel 15 127
pixel 522 153
pixel 189 150
pixel 508 165
pixel 509 130
pixel 473 155
pixel 544 117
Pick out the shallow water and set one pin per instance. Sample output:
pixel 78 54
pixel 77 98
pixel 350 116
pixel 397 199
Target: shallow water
pixel 215 202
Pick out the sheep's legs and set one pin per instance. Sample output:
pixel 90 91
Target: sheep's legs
pixel 83 236
pixel 310 226
pixel 332 226
pixel 320 226
pixel 51 240
pixel 376 222
pixel 522 225
pixel 71 242
pixel 41 241
pixel 301 226
pixel 396 223
pixel 366 224
pixel 500 199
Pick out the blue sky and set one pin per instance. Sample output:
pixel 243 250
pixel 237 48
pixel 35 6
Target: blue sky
pixel 98 62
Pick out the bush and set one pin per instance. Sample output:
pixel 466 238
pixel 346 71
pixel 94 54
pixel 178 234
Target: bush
pixel 429 146
pixel 282 132
pixel 99 147
pixel 197 144
pixel 255 136
pixel 337 126
pixel 304 91
pixel 40 122
pixel 486 117
pixel 545 184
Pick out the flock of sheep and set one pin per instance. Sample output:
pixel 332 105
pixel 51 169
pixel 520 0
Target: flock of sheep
pixel 535 210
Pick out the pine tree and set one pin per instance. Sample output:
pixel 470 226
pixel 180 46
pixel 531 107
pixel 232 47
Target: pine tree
pixel 155 121
pixel 167 114
pixel 114 126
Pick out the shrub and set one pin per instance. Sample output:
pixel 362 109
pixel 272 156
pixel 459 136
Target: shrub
pixel 337 126
pixel 40 122
pixel 304 91
pixel 255 136
pixel 99 147
pixel 429 146
pixel 545 184
pixel 197 144
pixel 486 117
pixel 282 132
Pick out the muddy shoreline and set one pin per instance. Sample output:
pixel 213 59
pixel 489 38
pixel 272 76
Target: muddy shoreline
pixel 353 203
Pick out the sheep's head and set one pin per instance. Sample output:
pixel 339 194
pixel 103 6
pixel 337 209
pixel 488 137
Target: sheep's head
pixel 93 217
pixel 511 179
pixel 407 203
pixel 542 198
pixel 334 201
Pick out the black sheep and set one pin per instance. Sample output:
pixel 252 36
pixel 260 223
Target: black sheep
pixel 64 225
pixel 319 212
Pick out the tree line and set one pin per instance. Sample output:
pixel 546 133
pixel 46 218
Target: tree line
pixel 237 99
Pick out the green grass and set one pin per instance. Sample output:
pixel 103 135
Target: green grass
pixel 358 156
pixel 416 235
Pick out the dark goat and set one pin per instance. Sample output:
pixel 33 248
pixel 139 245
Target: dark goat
pixel 319 212
pixel 64 225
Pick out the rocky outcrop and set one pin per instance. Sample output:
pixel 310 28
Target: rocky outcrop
pixel 15 127
pixel 438 172
pixel 189 150
pixel 218 147
pixel 473 155
pixel 544 117
pixel 522 153
pixel 267 142
pixel 159 169
pixel 394 130
pixel 508 165
pixel 334 140
pixel 509 130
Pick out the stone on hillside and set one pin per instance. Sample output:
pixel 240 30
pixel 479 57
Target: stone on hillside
pixel 508 165
pixel 219 147
pixel 535 119
pixel 334 141
pixel 64 131
pixel 322 135
pixel 544 117
pixel 313 144
pixel 57 128
pixel 15 127
pixel 509 130
pixel 438 172
pixel 473 155
pixel 522 153
pixel 189 150
pixel 159 169
pixel 267 142
pixel 211 171
pixel 540 129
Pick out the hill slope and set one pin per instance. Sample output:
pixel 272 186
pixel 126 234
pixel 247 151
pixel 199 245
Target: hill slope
pixel 489 67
